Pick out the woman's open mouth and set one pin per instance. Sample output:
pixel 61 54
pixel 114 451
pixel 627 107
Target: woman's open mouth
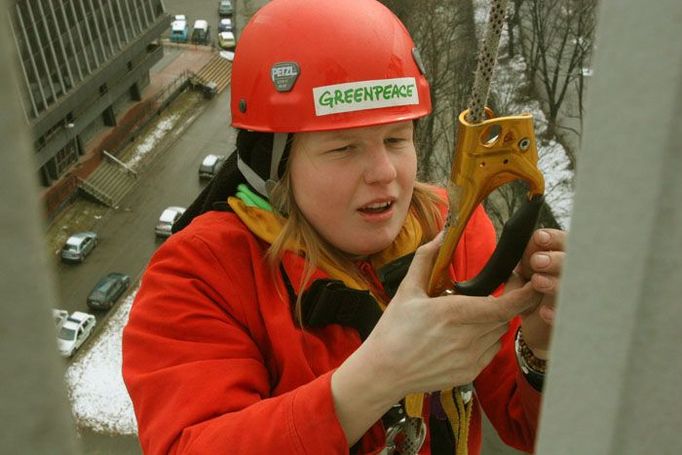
pixel 377 207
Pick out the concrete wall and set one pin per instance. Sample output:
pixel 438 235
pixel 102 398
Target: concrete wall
pixel 613 385
pixel 34 412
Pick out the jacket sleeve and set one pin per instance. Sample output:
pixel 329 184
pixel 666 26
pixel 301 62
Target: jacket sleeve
pixel 509 401
pixel 196 376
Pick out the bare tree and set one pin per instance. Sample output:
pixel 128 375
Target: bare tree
pixel 444 33
pixel 557 37
pixel 513 23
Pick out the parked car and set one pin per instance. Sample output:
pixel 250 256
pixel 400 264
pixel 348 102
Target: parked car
pixel 225 25
pixel 179 30
pixel 76 329
pixel 78 246
pixel 225 8
pixel 201 33
pixel 59 317
pixel 210 166
pixel 108 290
pixel 168 217
pixel 227 55
pixel 179 17
pixel 226 40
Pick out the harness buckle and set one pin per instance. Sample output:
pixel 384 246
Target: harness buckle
pixel 406 435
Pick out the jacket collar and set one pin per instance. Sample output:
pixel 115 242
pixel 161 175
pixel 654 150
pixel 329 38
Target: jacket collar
pixel 267 225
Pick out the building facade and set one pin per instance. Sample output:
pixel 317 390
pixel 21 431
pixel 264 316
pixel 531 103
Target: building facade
pixel 82 63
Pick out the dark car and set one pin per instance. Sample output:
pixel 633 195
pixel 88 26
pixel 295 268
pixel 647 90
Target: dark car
pixel 201 33
pixel 224 8
pixel 108 290
pixel 225 25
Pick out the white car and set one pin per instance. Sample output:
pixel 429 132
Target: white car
pixel 227 55
pixel 210 166
pixel 226 40
pixel 75 330
pixel 168 217
pixel 78 246
pixel 59 317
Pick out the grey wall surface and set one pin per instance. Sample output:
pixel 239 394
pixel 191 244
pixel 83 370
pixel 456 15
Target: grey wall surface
pixel 34 414
pixel 614 381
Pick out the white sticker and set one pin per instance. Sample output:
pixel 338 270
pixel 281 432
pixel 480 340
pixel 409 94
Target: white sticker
pixel 359 96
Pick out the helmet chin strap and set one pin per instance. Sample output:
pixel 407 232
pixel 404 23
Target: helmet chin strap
pixel 264 187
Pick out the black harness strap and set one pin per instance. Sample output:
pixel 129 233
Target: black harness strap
pixel 332 302
pixel 392 274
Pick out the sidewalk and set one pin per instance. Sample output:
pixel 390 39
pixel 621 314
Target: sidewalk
pixel 177 59
pixel 99 400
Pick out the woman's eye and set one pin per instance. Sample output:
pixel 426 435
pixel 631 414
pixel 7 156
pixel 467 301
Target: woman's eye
pixel 395 140
pixel 345 148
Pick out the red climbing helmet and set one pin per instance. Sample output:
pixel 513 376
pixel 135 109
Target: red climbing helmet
pixel 319 65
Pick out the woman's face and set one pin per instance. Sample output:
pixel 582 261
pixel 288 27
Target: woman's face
pixel 354 186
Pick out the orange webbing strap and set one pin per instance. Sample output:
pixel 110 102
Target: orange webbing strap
pixel 459 416
pixel 457 411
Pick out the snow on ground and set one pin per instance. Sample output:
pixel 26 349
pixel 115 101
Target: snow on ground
pixel 98 396
pixel 558 181
pixel 509 79
pixel 151 139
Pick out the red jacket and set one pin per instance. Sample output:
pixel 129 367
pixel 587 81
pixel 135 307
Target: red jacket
pixel 215 364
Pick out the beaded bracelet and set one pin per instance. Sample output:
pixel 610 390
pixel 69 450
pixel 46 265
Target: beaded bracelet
pixel 533 368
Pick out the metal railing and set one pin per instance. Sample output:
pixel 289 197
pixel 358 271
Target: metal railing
pixel 120 163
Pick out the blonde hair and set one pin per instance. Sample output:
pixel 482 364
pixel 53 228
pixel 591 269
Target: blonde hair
pixel 424 206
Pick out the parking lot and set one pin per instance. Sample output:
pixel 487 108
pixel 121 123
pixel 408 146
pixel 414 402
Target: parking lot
pixel 126 238
pixel 126 235
pixel 168 177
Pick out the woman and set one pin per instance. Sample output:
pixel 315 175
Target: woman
pixel 266 325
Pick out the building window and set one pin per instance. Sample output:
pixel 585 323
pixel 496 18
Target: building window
pixel 66 157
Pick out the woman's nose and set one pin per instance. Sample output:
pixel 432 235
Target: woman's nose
pixel 380 167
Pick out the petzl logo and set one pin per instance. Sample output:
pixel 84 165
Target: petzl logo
pixel 284 75
pixel 359 96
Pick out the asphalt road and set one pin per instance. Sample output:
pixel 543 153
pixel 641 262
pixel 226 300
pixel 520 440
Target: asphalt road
pixel 127 239
pixel 208 10
pixel 126 236
pixel 197 9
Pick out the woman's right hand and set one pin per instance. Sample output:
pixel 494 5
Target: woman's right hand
pixel 422 344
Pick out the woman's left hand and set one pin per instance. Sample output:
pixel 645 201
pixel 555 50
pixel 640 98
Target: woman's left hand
pixel 541 264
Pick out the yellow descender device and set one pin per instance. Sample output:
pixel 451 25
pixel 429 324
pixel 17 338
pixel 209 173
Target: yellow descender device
pixel 489 154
